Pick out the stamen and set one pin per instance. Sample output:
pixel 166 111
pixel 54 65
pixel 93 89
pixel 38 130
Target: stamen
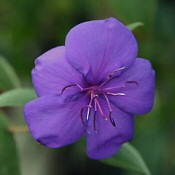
pixel 108 102
pixel 88 112
pixel 114 87
pixel 71 85
pixel 85 89
pixel 101 110
pixel 111 75
pixel 89 106
pixel 122 86
pixel 110 109
pixel 116 94
pixel 82 117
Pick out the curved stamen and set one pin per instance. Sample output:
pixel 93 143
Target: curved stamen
pixel 82 118
pixel 88 112
pixel 101 110
pixel 71 85
pixel 121 86
pixel 110 76
pixel 110 109
pixel 90 106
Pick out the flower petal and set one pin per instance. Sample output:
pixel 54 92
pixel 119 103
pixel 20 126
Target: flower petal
pixel 139 96
pixel 108 139
pixel 52 72
pixel 55 121
pixel 97 48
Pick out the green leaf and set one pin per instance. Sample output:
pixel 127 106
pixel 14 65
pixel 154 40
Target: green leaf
pixel 134 25
pixel 17 97
pixel 8 155
pixel 8 77
pixel 129 158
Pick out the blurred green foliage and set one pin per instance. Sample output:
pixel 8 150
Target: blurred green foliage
pixel 128 158
pixel 8 78
pixel 29 28
pixel 9 163
pixel 17 97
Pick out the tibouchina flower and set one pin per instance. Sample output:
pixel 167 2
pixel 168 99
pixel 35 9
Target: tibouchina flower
pixel 94 85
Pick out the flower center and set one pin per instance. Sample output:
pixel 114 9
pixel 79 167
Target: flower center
pixel 94 93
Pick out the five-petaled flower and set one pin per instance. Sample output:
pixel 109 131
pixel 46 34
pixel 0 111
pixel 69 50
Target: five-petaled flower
pixel 93 85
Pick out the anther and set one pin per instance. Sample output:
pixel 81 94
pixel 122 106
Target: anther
pixel 112 119
pixel 135 82
pixel 95 115
pixel 110 111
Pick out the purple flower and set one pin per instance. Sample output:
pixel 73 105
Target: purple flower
pixel 93 85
